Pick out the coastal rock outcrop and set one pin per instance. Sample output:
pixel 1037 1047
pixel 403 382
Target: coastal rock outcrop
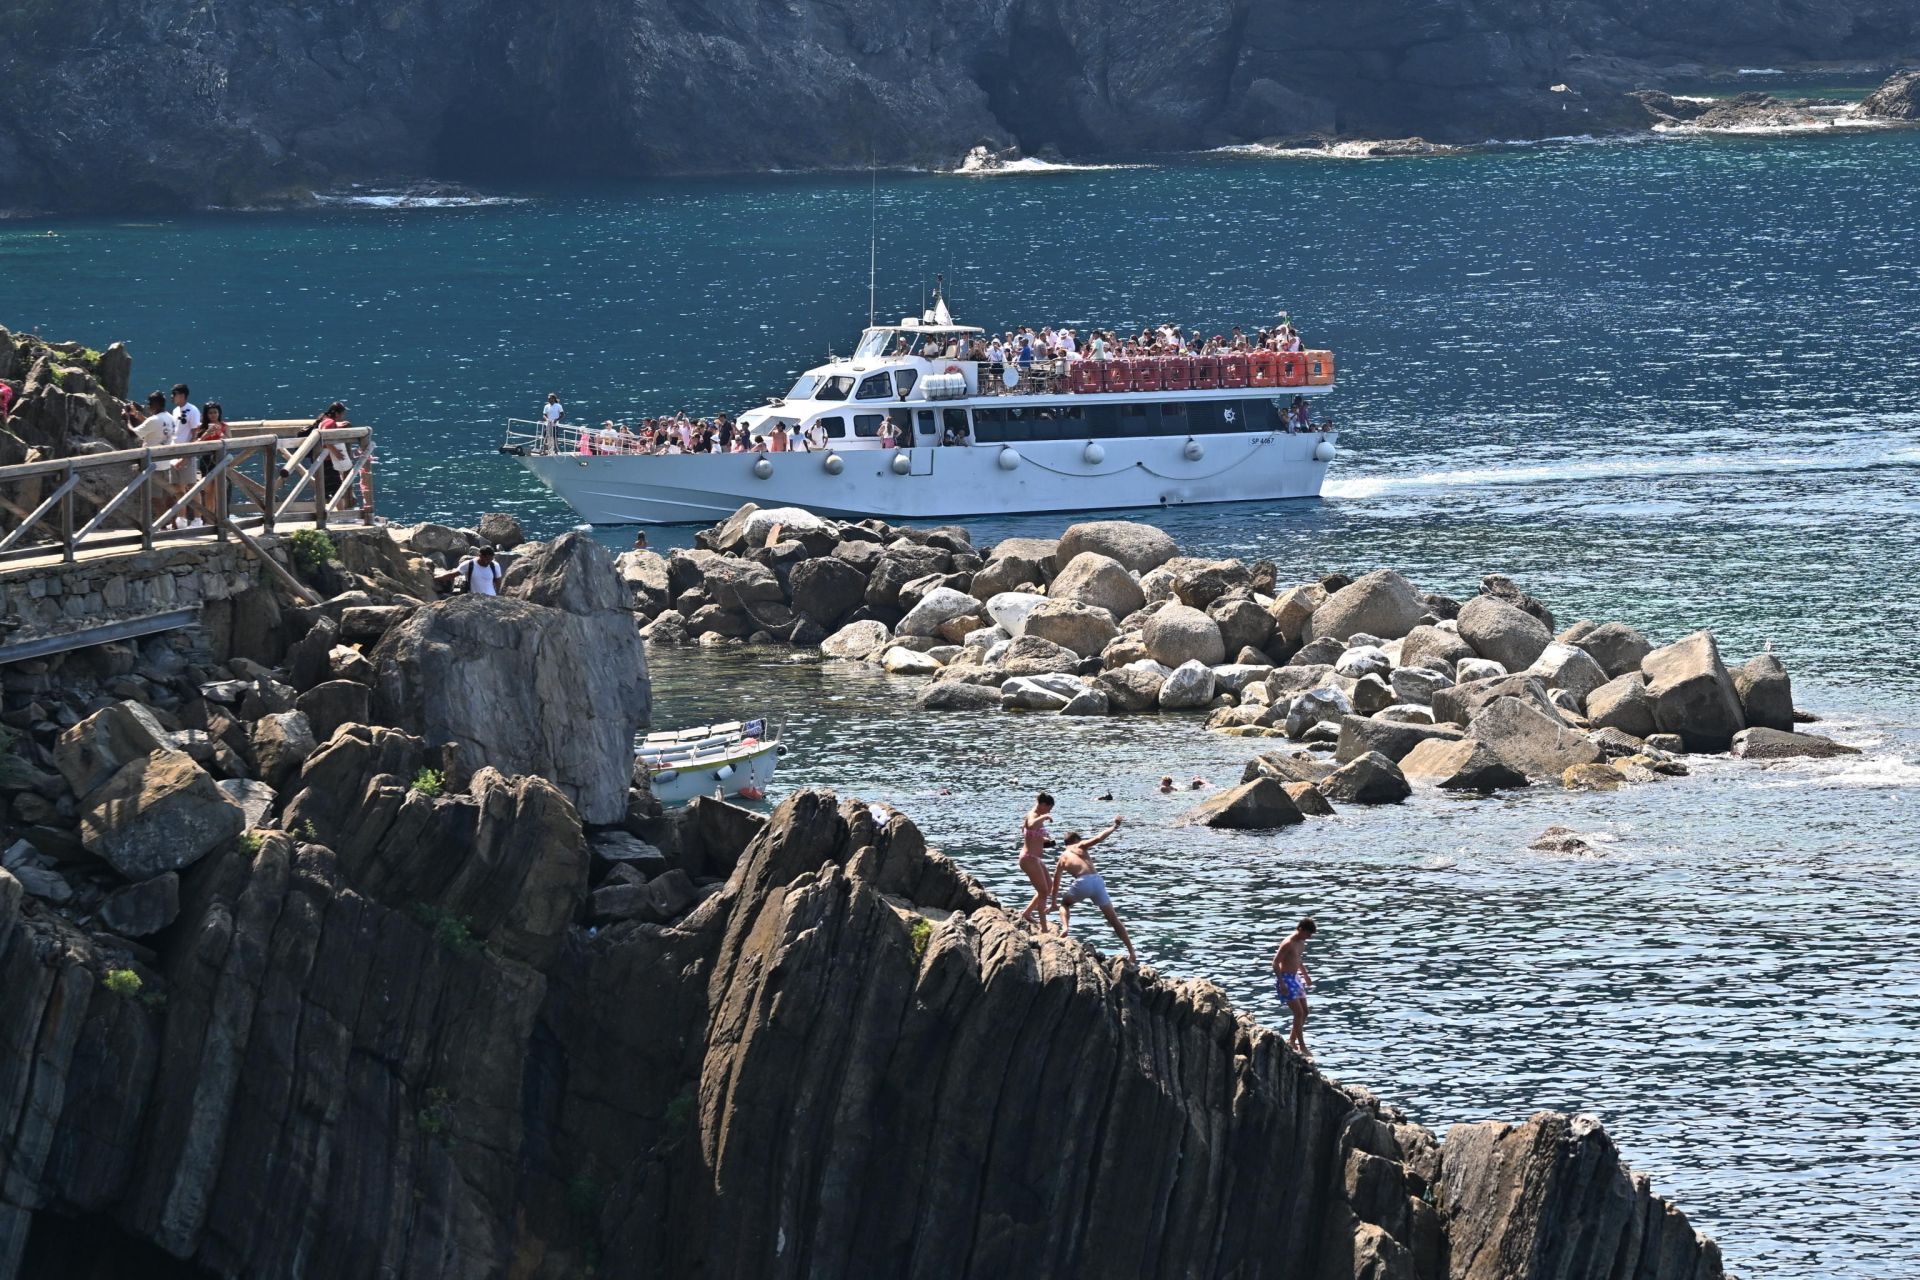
pixel 549 678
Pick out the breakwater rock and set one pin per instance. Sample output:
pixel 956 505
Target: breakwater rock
pixel 1390 681
pixel 289 991
pixel 269 103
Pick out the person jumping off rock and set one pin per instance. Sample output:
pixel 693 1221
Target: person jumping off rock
pixel 1076 880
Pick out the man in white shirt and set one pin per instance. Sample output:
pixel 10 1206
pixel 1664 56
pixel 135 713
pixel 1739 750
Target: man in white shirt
pixel 552 413
pixel 159 428
pixel 186 415
pixel 480 574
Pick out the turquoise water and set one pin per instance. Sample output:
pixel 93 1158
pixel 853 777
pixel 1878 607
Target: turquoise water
pixel 1669 382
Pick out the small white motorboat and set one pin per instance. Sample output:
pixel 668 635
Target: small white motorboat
pixel 736 759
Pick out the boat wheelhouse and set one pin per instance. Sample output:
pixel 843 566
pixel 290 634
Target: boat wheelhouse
pixel 916 425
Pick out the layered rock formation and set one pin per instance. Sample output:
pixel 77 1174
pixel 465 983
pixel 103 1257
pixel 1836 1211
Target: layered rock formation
pixel 264 103
pixel 847 1061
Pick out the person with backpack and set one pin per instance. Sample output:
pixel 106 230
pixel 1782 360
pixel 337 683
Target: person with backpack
pixel 479 574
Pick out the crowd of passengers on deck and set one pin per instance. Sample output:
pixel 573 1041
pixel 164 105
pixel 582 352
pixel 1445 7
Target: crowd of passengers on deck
pixel 1058 348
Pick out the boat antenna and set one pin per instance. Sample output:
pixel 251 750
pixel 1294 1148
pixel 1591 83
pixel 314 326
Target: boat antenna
pixel 873 237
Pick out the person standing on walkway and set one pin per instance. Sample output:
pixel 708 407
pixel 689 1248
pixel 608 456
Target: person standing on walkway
pixel 551 415
pixel 159 428
pixel 1291 980
pixel 1077 880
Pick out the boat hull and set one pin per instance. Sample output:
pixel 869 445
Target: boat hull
pixel 942 482
pixel 752 767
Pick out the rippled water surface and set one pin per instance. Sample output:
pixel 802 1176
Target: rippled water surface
pixel 1672 383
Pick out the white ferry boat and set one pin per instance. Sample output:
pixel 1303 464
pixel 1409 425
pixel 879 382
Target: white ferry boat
pixel 909 427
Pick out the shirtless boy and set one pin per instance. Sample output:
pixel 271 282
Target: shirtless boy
pixel 1077 880
pixel 1290 979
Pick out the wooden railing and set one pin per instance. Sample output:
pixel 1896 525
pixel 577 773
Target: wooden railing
pixel 262 475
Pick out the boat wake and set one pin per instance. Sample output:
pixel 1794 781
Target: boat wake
pixel 975 166
pixel 413 200
pixel 1369 486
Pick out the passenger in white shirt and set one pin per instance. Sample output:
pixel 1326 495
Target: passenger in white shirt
pixel 551 413
pixel 480 574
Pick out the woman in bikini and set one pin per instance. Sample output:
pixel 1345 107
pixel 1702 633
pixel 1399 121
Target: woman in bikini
pixel 1084 883
pixel 1033 858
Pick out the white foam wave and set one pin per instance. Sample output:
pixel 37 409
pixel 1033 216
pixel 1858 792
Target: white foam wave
pixel 1870 771
pixel 1362 150
pixel 1610 469
pixel 1761 71
pixel 397 200
pixel 972 168
pixel 1842 120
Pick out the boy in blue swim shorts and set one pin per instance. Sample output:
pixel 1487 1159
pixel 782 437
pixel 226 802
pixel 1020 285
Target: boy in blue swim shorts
pixel 1291 980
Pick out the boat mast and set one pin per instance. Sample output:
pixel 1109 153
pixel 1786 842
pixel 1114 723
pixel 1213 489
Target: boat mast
pixel 873 237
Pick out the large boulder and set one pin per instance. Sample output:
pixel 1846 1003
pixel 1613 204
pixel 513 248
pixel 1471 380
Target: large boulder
pixel 1501 587
pixel 1503 632
pixel 1367 779
pixel 1188 688
pixel 1136 546
pixel 1198 582
pixel 1009 609
pixel 106 742
pixel 1082 628
pixel 1178 633
pixel 1243 623
pixel 1040 692
pixel 1016 564
pixel 900 564
pixel 958 695
pixel 1316 706
pixel 501 529
pixel 1130 689
pixel 856 641
pixel 1460 764
pixel 1291 612
pixel 1529 740
pixel 1417 685
pixel 1381 603
pixel 549 678
pixel 1390 738
pixel 937 608
pixel 279 743
pixel 1460 703
pixel 1617 647
pixel 1035 656
pixel 1100 581
pixel 1427 644
pixel 1565 666
pixel 1259 805
pixel 1765 692
pixel 157 814
pixel 1622 703
pixel 144 907
pixel 1693 696
pixel 825 588
pixel 332 703
pixel 1775 744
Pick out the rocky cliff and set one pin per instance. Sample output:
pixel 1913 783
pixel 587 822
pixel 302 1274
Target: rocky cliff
pixel 323 956
pixel 145 104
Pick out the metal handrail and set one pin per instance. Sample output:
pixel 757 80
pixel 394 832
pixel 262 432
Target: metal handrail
pixel 225 495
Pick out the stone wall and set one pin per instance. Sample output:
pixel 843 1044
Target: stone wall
pixel 52 599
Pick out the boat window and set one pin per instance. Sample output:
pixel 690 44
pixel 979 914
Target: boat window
pixel 835 388
pixel 1102 420
pixel 923 423
pixel 875 386
pixel 1265 415
pixel 836 427
pixel 1213 417
pixel 990 425
pixel 1019 425
pixel 955 424
pixel 1134 420
pixel 874 342
pixel 803 388
pixel 867 425
pixel 1173 420
pixel 902 425
pixel 903 380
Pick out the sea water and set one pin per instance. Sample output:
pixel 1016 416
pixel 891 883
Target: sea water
pixel 1668 382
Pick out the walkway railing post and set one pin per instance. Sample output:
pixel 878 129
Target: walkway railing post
pixel 221 490
pixel 66 516
pixel 146 499
pixel 272 456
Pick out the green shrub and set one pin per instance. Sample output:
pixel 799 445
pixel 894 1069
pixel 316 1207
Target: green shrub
pixel 250 842
pixel 124 982
pixel 676 1122
pixel 453 932
pixel 918 932
pixel 429 782
pixel 310 548
pixel 436 1116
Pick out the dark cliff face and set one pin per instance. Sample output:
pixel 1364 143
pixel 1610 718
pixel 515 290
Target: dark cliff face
pixel 166 103
pixel 846 1061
